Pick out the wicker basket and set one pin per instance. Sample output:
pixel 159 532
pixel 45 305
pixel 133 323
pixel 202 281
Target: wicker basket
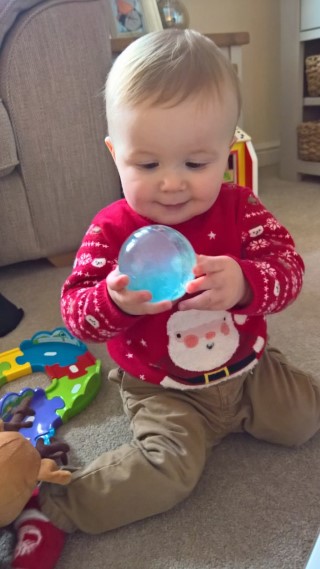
pixel 313 75
pixel 309 141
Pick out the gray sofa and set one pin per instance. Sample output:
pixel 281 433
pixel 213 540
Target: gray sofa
pixel 55 172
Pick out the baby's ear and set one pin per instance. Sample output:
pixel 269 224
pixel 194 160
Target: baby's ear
pixel 110 146
pixel 50 472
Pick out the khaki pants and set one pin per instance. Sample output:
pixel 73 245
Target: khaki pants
pixel 173 432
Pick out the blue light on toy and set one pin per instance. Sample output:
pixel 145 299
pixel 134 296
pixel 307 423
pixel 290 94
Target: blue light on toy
pixel 159 259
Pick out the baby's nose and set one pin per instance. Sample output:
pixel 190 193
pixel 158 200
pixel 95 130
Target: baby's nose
pixel 172 182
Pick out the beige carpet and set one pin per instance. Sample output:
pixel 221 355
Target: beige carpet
pixel 257 506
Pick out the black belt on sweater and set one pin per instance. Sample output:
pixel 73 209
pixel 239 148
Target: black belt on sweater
pixel 221 373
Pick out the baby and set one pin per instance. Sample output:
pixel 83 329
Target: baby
pixel 192 371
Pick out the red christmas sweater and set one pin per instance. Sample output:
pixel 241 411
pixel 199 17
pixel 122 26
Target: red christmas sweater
pixel 194 348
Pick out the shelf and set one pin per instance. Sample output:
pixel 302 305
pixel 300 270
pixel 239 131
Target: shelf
pixel 310 35
pixel 310 168
pixel 311 101
pixel 300 38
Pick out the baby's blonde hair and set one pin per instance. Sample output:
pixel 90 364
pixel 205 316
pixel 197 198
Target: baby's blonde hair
pixel 167 67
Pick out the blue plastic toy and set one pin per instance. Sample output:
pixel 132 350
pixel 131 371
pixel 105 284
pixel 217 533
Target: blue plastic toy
pixel 159 259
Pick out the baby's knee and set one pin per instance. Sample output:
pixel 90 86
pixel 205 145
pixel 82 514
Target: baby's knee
pixel 300 433
pixel 290 420
pixel 306 423
pixel 293 438
pixel 178 468
pixel 289 432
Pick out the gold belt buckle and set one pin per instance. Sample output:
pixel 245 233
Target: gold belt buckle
pixel 208 374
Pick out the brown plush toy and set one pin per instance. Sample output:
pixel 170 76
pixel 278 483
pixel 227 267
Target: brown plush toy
pixel 22 465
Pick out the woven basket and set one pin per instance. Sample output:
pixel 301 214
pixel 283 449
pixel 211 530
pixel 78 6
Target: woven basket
pixel 313 75
pixel 309 141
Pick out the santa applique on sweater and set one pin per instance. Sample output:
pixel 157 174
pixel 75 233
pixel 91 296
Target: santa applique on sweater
pixel 209 340
pixel 188 349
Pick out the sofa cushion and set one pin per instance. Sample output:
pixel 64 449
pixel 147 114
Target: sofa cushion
pixel 8 152
pixel 10 10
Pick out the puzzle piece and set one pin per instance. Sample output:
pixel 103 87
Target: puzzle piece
pixel 16 369
pixel 77 369
pixel 60 335
pixel 12 400
pixel 4 366
pixel 77 393
pixel 42 354
pixel 46 417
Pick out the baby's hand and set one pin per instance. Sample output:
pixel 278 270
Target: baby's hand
pixel 136 303
pixel 222 281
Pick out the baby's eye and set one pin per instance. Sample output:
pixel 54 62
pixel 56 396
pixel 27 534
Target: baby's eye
pixel 149 165
pixel 195 165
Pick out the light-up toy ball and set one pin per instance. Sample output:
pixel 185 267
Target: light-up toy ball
pixel 158 259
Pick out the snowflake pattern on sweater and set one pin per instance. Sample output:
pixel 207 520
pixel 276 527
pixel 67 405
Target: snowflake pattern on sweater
pixel 186 349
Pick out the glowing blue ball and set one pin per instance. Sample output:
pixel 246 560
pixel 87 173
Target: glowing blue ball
pixel 159 259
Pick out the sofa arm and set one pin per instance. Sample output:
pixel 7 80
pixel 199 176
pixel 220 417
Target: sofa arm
pixel 8 152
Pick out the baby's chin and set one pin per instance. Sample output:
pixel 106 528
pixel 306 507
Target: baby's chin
pixel 171 214
pixel 177 216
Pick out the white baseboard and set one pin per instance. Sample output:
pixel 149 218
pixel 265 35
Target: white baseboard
pixel 268 153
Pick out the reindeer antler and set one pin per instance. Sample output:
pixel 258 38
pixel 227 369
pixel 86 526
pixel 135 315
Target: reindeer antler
pixel 55 450
pixel 20 412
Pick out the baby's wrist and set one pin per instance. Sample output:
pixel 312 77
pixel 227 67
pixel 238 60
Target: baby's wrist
pixel 247 296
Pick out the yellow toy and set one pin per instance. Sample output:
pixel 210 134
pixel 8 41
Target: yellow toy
pixel 243 163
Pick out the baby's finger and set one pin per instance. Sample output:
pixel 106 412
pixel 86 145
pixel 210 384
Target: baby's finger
pixel 207 264
pixel 204 301
pixel 196 285
pixel 116 281
pixel 135 297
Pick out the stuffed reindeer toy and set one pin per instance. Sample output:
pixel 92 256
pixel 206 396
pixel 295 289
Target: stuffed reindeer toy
pixel 23 466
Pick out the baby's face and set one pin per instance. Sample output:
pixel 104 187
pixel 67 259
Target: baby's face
pixel 171 161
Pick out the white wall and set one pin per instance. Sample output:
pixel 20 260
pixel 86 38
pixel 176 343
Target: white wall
pixel 261 62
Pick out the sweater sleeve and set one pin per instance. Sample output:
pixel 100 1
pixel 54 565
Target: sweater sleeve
pixel 269 260
pixel 86 307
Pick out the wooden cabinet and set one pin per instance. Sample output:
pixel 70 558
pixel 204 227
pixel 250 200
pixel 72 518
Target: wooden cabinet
pixel 300 37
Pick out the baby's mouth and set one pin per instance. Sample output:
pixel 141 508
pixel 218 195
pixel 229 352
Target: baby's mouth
pixel 174 205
